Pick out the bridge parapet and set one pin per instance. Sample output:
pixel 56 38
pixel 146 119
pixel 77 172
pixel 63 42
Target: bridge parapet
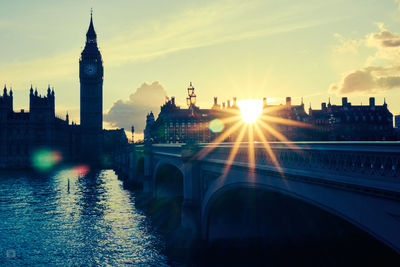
pixel 171 150
pixel 368 167
pixel 367 163
pixel 367 160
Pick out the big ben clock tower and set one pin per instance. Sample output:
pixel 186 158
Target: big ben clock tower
pixel 91 80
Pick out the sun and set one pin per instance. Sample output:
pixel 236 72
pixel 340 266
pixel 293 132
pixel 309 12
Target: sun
pixel 250 109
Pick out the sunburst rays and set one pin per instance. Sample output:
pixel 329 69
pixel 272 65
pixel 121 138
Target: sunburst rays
pixel 264 129
pixel 233 153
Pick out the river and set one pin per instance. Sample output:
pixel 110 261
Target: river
pixel 94 223
pixel 69 219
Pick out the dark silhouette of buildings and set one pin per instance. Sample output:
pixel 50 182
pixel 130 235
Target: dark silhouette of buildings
pixel 23 133
pixel 397 121
pixel 353 122
pixel 332 122
pixel 91 72
pixel 176 125
pixel 289 113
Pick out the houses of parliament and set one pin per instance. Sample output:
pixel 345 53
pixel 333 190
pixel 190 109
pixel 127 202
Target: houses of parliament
pixel 22 133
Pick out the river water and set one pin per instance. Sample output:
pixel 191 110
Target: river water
pixel 67 219
pixel 94 223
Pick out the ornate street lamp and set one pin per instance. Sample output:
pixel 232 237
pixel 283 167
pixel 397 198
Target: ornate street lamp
pixel 190 89
pixel 193 99
pixel 133 131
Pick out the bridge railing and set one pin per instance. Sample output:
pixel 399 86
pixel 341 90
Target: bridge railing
pixel 172 150
pixel 371 160
pixel 379 161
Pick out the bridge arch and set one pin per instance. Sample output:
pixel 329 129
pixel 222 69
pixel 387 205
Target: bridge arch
pixel 168 179
pixel 214 195
pixel 166 207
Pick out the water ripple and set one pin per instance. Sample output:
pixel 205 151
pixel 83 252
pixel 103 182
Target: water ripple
pixel 95 223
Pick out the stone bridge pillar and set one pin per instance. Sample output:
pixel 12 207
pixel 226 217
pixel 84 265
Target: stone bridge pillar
pixel 148 170
pixel 132 163
pixel 191 212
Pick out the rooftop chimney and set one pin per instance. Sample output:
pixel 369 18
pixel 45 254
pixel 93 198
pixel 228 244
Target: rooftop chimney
pixel 264 101
pixel 173 100
pixel 344 101
pixel 288 101
pixel 215 101
pixel 372 101
pixel 323 106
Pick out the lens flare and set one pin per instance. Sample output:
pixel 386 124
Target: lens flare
pixel 251 109
pixel 45 159
pixel 74 171
pixel 255 121
pixel 216 126
pixel 81 170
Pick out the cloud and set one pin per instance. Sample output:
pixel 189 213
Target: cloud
pixel 148 97
pixel 383 39
pixel 381 72
pixel 369 80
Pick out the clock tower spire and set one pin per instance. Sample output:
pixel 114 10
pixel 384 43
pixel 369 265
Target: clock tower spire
pixel 91 33
pixel 91 74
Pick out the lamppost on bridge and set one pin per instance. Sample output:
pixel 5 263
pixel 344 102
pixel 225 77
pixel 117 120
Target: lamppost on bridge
pixel 191 102
pixel 133 131
pixel 191 99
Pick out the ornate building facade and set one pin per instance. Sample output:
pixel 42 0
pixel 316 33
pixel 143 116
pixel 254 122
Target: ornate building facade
pixel 176 125
pixel 285 122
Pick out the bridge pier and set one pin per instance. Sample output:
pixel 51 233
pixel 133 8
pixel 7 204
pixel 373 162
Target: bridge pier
pixel 148 183
pixel 132 164
pixel 191 218
pixel 191 211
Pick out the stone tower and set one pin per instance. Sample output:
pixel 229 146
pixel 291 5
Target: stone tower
pixel 91 95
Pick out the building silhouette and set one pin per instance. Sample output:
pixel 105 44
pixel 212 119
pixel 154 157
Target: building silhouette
pixel 397 121
pixel 23 133
pixel 176 125
pixel 288 112
pixel 353 122
pixel 91 74
pixel 344 122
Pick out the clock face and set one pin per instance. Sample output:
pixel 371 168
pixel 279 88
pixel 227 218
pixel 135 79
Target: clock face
pixel 90 69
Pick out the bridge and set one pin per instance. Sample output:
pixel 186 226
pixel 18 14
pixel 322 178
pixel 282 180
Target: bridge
pixel 354 182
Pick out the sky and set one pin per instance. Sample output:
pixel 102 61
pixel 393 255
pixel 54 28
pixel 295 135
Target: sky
pixel 307 49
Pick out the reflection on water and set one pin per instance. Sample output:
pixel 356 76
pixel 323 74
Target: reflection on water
pixel 95 223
